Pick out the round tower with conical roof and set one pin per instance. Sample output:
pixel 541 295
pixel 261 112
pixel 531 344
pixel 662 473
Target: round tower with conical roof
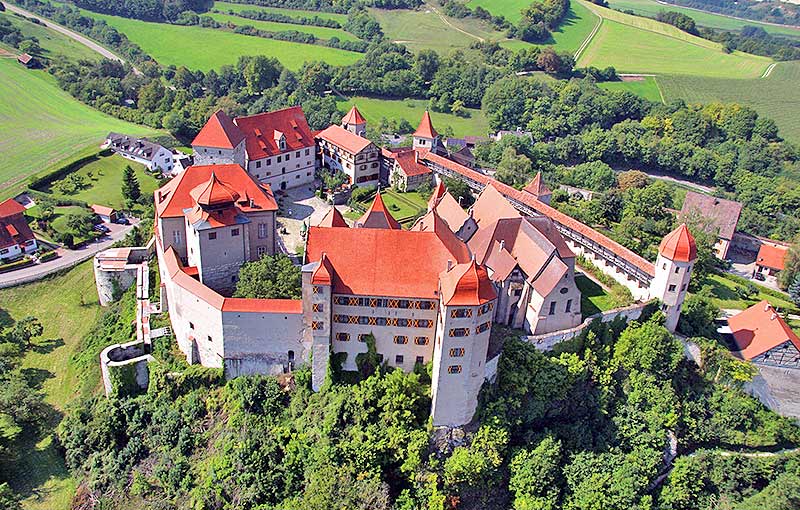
pixel 676 256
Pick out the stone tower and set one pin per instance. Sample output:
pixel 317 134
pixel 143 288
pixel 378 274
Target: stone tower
pixel 317 290
pixel 355 122
pixel 676 256
pixel 426 137
pixel 462 341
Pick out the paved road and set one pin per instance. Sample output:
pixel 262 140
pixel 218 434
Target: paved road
pixel 69 33
pixel 67 259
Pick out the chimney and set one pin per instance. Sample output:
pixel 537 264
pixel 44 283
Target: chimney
pixel 774 316
pixel 252 203
pixel 502 245
pixel 449 264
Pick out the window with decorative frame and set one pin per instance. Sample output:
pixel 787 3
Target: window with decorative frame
pixel 457 352
pixel 454 369
pixel 400 339
pixel 317 307
pixel 363 337
pixel 488 307
pixel 343 337
pixel 460 313
pixel 483 327
pixel 459 332
pixel 421 340
pixel 317 325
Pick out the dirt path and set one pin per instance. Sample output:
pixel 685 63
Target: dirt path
pixel 447 22
pixel 69 33
pixel 768 71
pixel 589 37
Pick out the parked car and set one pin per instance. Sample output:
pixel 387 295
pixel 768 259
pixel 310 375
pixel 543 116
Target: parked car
pixel 102 228
pixel 122 220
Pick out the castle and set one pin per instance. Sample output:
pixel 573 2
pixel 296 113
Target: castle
pixel 427 294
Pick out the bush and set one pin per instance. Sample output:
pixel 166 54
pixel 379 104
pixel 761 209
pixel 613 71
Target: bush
pixel 4 268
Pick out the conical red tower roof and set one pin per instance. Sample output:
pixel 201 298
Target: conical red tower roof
pixel 466 285
pixel 354 117
pixel 333 218
pixel 425 129
pixel 377 216
pixel 438 193
pixel 213 192
pixel 537 187
pixel 679 245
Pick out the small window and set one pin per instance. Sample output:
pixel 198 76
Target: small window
pixel 317 307
pixel 288 157
pixel 279 159
pixel 483 327
pixel 672 288
pixel 552 308
pixel 683 287
pixel 297 154
pixel 258 164
pixel 677 270
pixel 212 236
pixel 569 306
pixel 262 230
pixel 343 337
pixel 454 369
pixel 191 325
pixel 307 152
pixel 398 359
pixel 209 339
pixel 317 325
pixel 363 337
pixel 458 313
pixel 457 352
pixel 261 251
pixel 317 289
pixel 234 232
pixel 459 332
pixel 269 161
pixel 420 360
pixel 421 340
pixel 219 152
pixel 401 339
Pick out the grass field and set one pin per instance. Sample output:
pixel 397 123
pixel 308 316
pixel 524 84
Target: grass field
pixel 646 88
pixel 106 182
pixel 53 44
pixel 40 475
pixel 319 32
pixel 637 49
pixel 296 13
pixel 651 8
pixel 207 48
pixel 724 295
pixel 412 111
pixel 771 96
pixel 40 124
pixel 594 298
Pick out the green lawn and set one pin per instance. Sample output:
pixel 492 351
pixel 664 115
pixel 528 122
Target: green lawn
pixel 774 97
pixel 40 474
pixel 651 8
pixel 509 9
pixel 412 110
pixel 295 13
pixel 272 26
pixel 646 88
pixel 207 48
pixel 40 124
pixel 53 44
pixel 633 49
pixel 402 206
pixel 594 298
pixel 105 185
pixel 724 295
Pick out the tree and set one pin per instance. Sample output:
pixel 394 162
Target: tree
pixel 534 476
pixel 514 169
pixel 794 290
pixel 791 266
pixel 30 46
pixel 460 191
pixel 25 330
pixel 260 73
pixel 8 500
pixel 649 348
pixel 271 277
pixel 697 317
pixel 81 223
pixel 632 179
pixel 130 186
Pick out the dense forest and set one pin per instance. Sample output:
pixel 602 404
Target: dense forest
pixel 584 426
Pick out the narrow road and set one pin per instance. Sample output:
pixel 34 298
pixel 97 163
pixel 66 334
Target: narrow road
pixel 769 70
pixel 589 37
pixel 67 32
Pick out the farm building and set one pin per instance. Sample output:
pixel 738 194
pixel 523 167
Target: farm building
pixel 16 237
pixel 28 61
pixel 106 214
pixel 770 259
pixel 151 155
pixel 719 215
pixel 762 336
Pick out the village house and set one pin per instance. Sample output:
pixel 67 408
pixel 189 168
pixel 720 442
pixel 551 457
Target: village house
pixel 759 334
pixel 404 170
pixel 105 213
pixel 770 260
pixel 28 61
pixel 716 215
pixel 277 148
pixel 16 237
pixel 152 155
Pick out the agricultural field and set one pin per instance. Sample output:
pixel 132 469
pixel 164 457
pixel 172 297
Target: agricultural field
pixel 40 124
pixel 272 26
pixel 53 44
pixel 67 307
pixel 771 96
pixel 412 110
pixel 646 87
pixel 509 9
pixel 651 8
pixel 639 47
pixel 207 48
pixel 296 13
pixel 104 182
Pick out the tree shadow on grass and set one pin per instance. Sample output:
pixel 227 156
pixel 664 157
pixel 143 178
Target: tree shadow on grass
pixel 47 346
pixel 36 376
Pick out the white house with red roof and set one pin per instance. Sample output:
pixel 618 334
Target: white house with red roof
pixel 762 336
pixel 344 149
pixel 277 148
pixel 16 237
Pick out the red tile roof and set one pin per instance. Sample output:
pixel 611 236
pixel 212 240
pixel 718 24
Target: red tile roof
pixel 377 216
pixel 102 210
pixel 263 131
pixel 333 218
pixel 14 229
pixel 343 138
pixel 219 131
pixel 323 275
pixel 353 117
pixel 425 128
pixel 466 285
pixel 244 305
pixel 451 212
pixel 537 187
pixel 545 210
pixel 382 262
pixel 10 207
pixel 759 329
pixel 213 192
pixel 433 222
pixel 722 215
pixel 679 245
pixel 24 58
pixel 172 198
pixel 771 256
pixel 407 161
pixel 438 193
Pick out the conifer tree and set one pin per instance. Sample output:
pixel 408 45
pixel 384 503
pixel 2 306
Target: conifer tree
pixel 130 186
pixel 794 290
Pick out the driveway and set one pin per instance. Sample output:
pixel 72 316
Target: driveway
pixel 67 258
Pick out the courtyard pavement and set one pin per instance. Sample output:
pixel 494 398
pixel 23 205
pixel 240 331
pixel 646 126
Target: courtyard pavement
pixel 298 206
